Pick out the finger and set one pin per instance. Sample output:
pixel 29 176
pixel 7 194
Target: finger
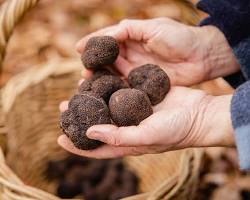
pixel 80 81
pixel 105 31
pixel 129 136
pixel 122 49
pixel 125 30
pixel 86 73
pixel 132 30
pixel 104 151
pixel 123 66
pixel 63 106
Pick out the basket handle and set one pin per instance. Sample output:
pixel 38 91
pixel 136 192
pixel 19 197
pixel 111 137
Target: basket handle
pixel 11 13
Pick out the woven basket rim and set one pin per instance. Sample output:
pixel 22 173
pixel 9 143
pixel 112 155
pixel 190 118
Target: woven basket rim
pixel 36 74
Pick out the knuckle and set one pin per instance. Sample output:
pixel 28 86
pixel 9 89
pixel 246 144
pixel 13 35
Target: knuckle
pixel 162 19
pixel 125 22
pixel 115 141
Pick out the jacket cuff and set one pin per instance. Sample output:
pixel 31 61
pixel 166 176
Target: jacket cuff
pixel 242 53
pixel 240 114
pixel 230 16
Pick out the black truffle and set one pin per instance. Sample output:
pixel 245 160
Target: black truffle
pixel 128 186
pixel 105 86
pixel 102 85
pixel 68 189
pixel 56 169
pixel 152 80
pixel 100 51
pixel 129 107
pixel 85 110
pixel 99 73
pixel 86 84
pixel 93 178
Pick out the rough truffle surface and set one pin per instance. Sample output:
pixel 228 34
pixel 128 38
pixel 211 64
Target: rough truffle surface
pixel 129 107
pixel 87 84
pixel 152 80
pixel 85 110
pixel 100 51
pixel 103 84
pixel 99 73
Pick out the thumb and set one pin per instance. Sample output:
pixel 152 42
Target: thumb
pixel 108 31
pixel 138 30
pixel 118 136
pixel 130 29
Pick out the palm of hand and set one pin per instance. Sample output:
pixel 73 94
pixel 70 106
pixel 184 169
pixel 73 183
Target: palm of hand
pixel 168 128
pixel 173 119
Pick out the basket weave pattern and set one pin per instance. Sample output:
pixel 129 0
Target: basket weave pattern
pixel 29 103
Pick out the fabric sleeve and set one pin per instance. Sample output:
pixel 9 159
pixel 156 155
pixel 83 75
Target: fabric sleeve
pixel 240 113
pixel 232 18
pixel 240 106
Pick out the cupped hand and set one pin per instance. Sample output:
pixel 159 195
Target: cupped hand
pixel 185 118
pixel 189 55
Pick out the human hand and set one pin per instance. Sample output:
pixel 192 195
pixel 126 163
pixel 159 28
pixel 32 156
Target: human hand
pixel 185 118
pixel 189 55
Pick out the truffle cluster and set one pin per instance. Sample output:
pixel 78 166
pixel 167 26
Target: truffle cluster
pixel 100 51
pixel 93 179
pixel 105 98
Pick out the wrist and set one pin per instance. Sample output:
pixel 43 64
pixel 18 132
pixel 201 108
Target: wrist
pixel 218 57
pixel 213 123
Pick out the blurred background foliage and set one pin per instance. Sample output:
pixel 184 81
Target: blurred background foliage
pixel 53 27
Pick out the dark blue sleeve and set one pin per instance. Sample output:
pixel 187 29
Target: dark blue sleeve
pixel 232 17
pixel 240 106
pixel 240 114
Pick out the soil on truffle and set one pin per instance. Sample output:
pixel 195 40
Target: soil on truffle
pixel 100 51
pixel 85 110
pixel 129 107
pixel 152 80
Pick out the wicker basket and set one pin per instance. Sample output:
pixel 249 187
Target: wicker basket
pixel 29 114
